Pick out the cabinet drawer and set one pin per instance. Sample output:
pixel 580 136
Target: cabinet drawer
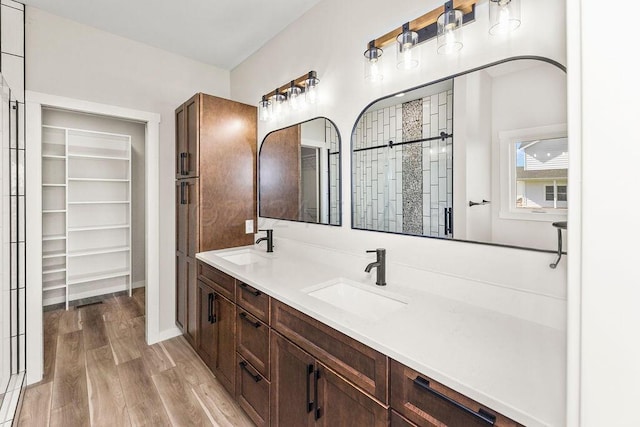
pixel 398 420
pixel 428 403
pixel 219 281
pixel 254 301
pixel 358 363
pixel 252 393
pixel 253 341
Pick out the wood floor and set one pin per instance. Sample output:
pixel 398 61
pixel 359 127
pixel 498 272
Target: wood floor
pixel 98 371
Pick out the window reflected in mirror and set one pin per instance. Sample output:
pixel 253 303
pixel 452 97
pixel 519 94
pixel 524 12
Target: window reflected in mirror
pixel 481 156
pixel 299 172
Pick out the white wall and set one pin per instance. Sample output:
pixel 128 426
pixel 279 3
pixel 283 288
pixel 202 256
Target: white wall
pixel 76 61
pixel 330 39
pixel 608 269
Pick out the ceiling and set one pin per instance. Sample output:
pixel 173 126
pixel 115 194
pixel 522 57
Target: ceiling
pixel 217 32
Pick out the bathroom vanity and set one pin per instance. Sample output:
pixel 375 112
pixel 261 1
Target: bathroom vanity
pixel 302 336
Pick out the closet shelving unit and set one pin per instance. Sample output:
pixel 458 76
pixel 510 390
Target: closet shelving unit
pixel 86 213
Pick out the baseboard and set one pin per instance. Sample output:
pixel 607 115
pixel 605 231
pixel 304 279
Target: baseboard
pixel 140 284
pixel 167 334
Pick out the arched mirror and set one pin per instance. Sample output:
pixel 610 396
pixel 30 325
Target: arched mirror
pixel 481 156
pixel 299 172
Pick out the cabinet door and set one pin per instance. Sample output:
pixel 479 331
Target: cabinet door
pixel 181 291
pixel 207 318
pixel 225 365
pixel 339 401
pixel 191 280
pixel 192 196
pixel 181 146
pixel 192 137
pixel 292 372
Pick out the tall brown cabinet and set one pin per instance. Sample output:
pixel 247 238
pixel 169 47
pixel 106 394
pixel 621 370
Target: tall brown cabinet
pixel 215 190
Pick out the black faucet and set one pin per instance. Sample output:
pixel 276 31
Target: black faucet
pixel 269 239
pixel 381 255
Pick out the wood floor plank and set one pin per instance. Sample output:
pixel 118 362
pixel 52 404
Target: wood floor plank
pixel 70 381
pixel 51 320
pixel 143 401
pixel 107 405
pixel 157 359
pixel 70 415
pixel 93 326
pixel 69 321
pixel 223 408
pixel 36 406
pixel 188 363
pixel 129 307
pixel 177 396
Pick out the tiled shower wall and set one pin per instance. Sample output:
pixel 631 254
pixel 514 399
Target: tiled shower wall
pixel 13 204
pixel 331 135
pixel 404 189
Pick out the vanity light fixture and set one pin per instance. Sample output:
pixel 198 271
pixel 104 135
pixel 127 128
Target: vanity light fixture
pixel 407 56
pixel 504 16
pixel 278 100
pixel 372 71
pixel 264 109
pixel 444 23
pixel 293 95
pixel 449 30
pixel 273 104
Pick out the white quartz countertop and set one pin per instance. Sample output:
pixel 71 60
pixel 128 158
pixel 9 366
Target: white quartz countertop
pixel 511 365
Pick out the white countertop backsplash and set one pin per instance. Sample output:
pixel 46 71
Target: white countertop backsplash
pixel 501 346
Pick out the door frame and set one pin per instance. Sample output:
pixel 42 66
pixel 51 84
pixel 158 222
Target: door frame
pixel 35 101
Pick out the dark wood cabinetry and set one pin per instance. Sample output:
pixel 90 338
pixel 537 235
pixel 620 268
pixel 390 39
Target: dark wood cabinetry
pixel 215 191
pixel 216 341
pixel 307 393
pixel 426 402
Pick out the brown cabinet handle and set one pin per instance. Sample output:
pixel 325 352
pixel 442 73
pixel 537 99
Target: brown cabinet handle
pixel 481 415
pixel 255 292
pixel 244 317
pixel 255 377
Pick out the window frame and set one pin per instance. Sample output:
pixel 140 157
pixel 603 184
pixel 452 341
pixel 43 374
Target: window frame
pixel 507 140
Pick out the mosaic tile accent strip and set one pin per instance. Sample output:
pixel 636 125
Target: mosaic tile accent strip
pixel 380 198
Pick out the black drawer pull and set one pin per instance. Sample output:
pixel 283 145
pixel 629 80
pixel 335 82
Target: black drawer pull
pixel 211 313
pixel 184 165
pixel 255 377
pixel 310 402
pixel 244 317
pixel 250 289
pixel 481 415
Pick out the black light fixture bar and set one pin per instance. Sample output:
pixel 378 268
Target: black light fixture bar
pixel 300 82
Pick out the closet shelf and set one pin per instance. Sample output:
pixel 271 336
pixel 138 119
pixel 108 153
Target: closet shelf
pixel 100 202
pixel 53 156
pixel 54 237
pixel 54 211
pixel 101 227
pixel 53 284
pixel 84 278
pixel 99 251
pixel 54 254
pixel 99 179
pixel 95 156
pixel 53 185
pixel 54 269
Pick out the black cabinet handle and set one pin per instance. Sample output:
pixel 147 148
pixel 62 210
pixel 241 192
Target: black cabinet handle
pixel 448 221
pixel 310 402
pixel 182 198
pixel 244 317
pixel 318 412
pixel 212 314
pixel 481 415
pixel 250 289
pixel 183 163
pixel 255 377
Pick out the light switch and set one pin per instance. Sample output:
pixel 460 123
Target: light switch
pixel 248 226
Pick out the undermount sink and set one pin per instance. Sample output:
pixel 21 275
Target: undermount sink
pixel 241 256
pixel 358 299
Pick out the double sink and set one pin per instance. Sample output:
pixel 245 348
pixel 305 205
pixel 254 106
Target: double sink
pixel 366 301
